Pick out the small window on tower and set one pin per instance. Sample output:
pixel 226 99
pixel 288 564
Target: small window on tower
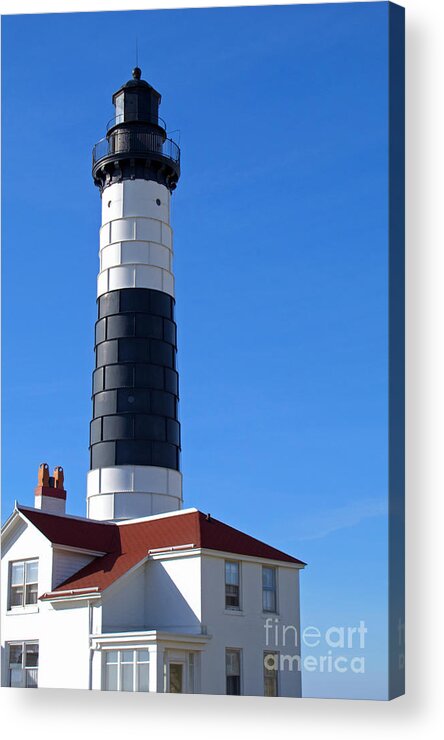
pixel 119 108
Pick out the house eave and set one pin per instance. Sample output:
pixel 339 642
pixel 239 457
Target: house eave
pixel 81 594
pixel 11 520
pixel 252 558
pixel 142 638
pixel 80 550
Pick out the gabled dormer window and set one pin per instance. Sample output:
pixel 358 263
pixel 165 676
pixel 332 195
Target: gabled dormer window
pixel 23 582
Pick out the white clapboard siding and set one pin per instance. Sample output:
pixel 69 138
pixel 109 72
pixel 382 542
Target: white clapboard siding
pixel 66 563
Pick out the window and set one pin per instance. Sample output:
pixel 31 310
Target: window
pixel 127 670
pixel 271 664
pixel 269 601
pixel 176 678
pixel 119 108
pixel 24 576
pixel 232 590
pixel 233 672
pixel 23 665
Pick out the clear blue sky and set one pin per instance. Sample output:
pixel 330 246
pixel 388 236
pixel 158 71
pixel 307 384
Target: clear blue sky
pixel 280 223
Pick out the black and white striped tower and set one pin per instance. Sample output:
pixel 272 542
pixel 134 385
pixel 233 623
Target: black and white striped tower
pixel 135 433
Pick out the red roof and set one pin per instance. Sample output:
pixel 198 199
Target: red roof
pixel 127 544
pixel 86 534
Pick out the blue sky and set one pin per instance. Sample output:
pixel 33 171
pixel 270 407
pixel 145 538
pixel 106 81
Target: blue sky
pixel 280 223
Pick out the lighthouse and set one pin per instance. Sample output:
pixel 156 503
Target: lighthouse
pixel 142 594
pixel 135 432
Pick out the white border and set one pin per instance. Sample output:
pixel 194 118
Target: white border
pixel 100 714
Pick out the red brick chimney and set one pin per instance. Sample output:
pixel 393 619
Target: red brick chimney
pixel 50 495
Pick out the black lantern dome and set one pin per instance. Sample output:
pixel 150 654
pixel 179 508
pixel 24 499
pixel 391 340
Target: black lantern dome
pixel 136 144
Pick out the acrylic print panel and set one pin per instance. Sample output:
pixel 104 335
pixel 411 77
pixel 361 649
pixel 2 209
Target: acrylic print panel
pixel 267 557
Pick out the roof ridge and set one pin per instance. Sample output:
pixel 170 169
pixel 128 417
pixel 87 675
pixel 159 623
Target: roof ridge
pixel 154 517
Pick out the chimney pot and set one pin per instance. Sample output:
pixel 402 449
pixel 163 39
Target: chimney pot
pixel 58 477
pixel 50 494
pixel 43 475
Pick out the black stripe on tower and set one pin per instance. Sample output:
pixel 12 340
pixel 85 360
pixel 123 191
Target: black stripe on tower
pixel 135 383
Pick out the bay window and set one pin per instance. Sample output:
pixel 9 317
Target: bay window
pixel 126 670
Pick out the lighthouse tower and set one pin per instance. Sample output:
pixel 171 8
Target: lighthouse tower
pixel 135 432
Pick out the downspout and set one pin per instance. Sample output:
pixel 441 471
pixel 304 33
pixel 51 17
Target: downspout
pixel 90 646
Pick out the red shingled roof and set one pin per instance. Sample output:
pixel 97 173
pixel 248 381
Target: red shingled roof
pixel 127 544
pixel 85 534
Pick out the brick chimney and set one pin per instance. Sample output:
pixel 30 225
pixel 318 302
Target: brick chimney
pixel 50 495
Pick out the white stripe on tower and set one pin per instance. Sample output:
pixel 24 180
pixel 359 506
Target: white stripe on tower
pixel 131 491
pixel 136 237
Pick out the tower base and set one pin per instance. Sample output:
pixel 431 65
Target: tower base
pixel 132 491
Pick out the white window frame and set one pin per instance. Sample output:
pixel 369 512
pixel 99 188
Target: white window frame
pixel 25 584
pixel 276 672
pixel 268 590
pixel 241 672
pixel 135 663
pixel 239 585
pixel 24 668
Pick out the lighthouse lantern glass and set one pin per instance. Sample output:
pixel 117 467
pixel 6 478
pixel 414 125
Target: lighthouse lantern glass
pixel 119 108
pixel 131 107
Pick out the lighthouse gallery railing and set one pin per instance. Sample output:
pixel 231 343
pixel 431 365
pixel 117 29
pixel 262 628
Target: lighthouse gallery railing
pixel 122 142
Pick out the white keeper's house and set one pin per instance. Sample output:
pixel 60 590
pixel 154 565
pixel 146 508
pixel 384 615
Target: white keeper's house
pixel 141 594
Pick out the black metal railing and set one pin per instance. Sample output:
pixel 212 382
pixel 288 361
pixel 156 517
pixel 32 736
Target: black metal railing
pixel 122 142
pixel 121 119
